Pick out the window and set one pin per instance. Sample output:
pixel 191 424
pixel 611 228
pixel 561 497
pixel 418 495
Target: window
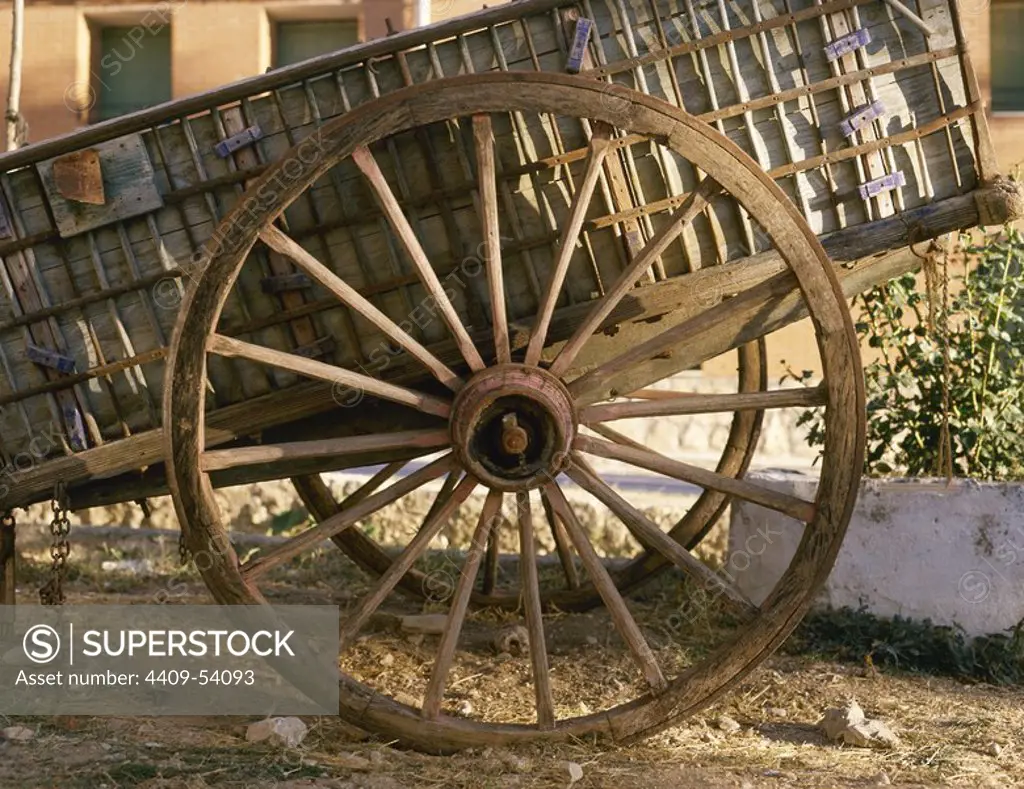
pixel 132 69
pixel 295 41
pixel 1007 57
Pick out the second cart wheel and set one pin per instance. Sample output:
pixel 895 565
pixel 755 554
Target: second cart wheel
pixel 570 590
pixel 530 425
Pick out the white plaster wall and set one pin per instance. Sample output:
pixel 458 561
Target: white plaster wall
pixel 917 548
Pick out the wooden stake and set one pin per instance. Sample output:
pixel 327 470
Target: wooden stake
pixel 15 124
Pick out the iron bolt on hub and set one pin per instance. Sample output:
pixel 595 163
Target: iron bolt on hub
pixel 512 427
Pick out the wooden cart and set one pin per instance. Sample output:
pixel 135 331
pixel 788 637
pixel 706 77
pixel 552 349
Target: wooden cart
pixel 480 243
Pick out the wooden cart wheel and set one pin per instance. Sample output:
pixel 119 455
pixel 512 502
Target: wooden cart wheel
pixel 571 592
pixel 516 428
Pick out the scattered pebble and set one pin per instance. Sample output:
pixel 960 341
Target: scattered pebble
pixel 152 744
pixel 516 763
pixel 777 712
pixel 349 761
pixel 283 731
pixel 407 699
pixel 727 724
pixel 848 724
pixel 575 772
pixel 521 764
pixel 880 779
pixel 19 734
pixel 377 758
pixel 128 566
pixel 465 708
pixel 994 749
pixel 592 641
pixel 514 640
pixel 387 660
pixel 429 624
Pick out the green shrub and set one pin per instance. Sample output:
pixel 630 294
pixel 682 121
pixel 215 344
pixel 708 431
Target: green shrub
pixel 950 367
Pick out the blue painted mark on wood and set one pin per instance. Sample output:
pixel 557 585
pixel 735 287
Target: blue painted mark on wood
pixel 245 137
pixel 578 50
pixel 884 184
pixel 52 359
pixel 861 117
pixel 75 428
pixel 847 44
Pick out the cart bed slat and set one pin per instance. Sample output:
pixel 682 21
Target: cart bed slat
pixel 108 298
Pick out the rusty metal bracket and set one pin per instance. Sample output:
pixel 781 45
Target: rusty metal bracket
pixel 78 176
pixel 280 283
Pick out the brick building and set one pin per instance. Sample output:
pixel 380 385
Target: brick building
pixel 995 35
pixel 76 53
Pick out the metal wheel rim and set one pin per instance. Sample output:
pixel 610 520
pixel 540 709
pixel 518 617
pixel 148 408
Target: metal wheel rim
pixel 736 172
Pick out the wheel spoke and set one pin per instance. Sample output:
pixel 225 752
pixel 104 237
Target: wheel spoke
pixel 794 507
pixel 311 368
pixel 374 482
pixel 317 497
pixel 483 134
pixel 600 144
pixel 534 616
pixel 572 578
pixel 460 602
pixel 432 524
pixel 623 619
pixel 400 225
pixel 280 242
pixel 679 404
pixel 683 216
pixel 613 435
pixel 336 524
pixel 713 331
pixel 652 537
pixel 427 440
pixel 659 394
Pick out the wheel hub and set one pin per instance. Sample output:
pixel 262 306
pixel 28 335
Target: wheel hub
pixel 512 427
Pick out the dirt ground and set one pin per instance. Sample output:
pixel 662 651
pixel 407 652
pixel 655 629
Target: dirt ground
pixel 952 734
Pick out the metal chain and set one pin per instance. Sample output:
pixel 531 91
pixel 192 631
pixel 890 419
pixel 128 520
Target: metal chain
pixel 7 521
pixel 7 586
pixel 7 556
pixel 52 592
pixel 184 554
